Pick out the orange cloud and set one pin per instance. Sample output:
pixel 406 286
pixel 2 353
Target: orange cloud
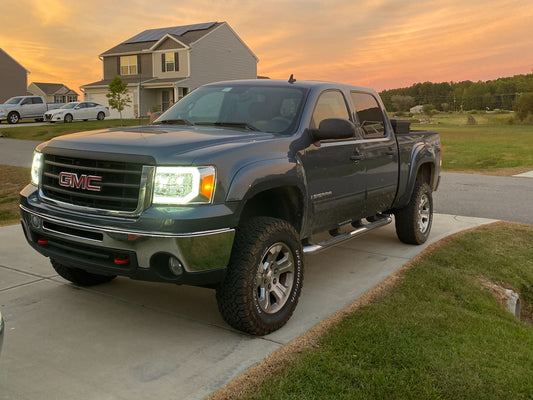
pixel 383 44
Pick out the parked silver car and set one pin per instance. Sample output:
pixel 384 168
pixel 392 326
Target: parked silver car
pixel 79 110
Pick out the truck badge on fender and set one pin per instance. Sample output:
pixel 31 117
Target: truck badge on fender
pixel 85 182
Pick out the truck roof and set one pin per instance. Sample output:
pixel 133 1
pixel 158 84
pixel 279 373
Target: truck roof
pixel 321 85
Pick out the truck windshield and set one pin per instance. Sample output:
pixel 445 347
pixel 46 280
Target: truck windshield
pixel 273 109
pixel 14 100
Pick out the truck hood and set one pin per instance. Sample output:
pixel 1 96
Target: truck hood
pixel 165 144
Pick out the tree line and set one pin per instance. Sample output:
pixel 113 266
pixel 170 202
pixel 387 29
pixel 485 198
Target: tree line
pixel 501 93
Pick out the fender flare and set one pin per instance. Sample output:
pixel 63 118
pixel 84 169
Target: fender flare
pixel 422 154
pixel 264 175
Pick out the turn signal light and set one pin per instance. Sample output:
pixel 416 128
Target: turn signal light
pixel 207 186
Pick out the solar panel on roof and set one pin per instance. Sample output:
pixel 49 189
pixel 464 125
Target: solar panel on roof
pixel 151 35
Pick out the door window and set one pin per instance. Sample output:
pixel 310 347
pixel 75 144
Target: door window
pixel 369 115
pixel 330 104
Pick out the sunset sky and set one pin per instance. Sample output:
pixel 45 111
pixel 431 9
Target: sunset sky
pixel 383 44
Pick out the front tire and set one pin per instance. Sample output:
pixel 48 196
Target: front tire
pixel 413 222
pixel 80 277
pixel 68 118
pixel 264 278
pixel 13 117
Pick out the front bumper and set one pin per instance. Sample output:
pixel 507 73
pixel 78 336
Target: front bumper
pixel 116 250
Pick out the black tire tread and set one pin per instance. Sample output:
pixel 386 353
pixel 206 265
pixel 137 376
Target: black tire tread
pixel 234 297
pixel 406 218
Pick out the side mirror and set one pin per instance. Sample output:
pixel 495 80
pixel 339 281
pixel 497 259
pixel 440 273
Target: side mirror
pixel 77 107
pixel 334 128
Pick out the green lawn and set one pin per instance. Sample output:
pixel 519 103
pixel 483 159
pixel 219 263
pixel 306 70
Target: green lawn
pixel 12 180
pixel 492 146
pixel 438 334
pixel 49 130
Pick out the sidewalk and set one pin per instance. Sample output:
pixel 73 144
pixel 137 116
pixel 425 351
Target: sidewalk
pixel 139 340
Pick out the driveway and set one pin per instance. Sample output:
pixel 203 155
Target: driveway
pixel 138 340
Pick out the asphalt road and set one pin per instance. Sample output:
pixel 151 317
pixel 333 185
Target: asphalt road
pixel 495 197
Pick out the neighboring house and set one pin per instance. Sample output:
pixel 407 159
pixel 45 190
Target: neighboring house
pixel 162 65
pixel 13 77
pixel 53 92
pixel 417 109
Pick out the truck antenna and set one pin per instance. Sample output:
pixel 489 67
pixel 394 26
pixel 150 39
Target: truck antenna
pixel 291 79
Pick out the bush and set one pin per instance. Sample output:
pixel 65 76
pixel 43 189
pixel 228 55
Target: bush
pixel 524 107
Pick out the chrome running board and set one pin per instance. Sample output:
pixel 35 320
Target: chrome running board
pixel 314 248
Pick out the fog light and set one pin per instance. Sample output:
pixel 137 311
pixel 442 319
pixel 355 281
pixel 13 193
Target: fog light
pixel 35 222
pixel 175 266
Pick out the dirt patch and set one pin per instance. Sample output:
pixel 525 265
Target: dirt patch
pixel 500 291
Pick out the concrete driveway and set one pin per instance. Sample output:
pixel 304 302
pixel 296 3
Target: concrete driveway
pixel 137 340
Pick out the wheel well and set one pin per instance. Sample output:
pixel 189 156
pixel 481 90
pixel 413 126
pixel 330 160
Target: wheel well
pixel 284 203
pixel 425 174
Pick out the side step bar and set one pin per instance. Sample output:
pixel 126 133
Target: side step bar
pixel 314 248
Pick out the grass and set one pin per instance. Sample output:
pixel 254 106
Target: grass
pixel 12 180
pixel 49 131
pixel 492 146
pixel 437 334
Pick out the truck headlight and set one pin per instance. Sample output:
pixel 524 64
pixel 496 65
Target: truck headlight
pixel 36 166
pixel 184 185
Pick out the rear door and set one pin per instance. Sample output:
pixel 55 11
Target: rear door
pixel 379 152
pixel 334 175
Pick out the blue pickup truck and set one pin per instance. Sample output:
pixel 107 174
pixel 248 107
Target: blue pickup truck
pixel 229 189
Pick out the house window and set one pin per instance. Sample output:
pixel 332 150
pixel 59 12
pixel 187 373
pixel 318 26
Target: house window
pixel 59 99
pixel 170 62
pixel 128 65
pixel 72 98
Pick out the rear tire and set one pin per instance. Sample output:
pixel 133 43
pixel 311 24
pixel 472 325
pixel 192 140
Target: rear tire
pixel 413 222
pixel 80 277
pixel 264 278
pixel 100 116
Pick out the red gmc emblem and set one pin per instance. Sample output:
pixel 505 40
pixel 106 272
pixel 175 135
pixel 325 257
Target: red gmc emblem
pixel 85 182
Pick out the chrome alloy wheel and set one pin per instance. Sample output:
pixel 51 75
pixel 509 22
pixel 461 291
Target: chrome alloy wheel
pixel 424 213
pixel 275 278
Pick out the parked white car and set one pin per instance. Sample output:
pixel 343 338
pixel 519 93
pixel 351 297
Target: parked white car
pixel 79 110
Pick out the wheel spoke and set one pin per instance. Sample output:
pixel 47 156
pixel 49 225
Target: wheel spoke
pixel 284 265
pixel 280 293
pixel 263 298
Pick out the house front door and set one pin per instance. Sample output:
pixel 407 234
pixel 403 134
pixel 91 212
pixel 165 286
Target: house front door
pixel 167 99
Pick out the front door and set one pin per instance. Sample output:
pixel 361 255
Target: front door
pixel 167 99
pixel 335 175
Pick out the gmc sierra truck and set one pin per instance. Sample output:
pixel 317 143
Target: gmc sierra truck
pixel 25 107
pixel 230 189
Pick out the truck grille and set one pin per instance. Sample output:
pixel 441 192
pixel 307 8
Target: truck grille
pixel 99 184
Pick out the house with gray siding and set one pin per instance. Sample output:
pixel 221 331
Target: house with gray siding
pixel 13 77
pixel 53 92
pixel 162 65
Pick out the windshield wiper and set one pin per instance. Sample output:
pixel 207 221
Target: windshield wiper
pixel 244 125
pixel 179 121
